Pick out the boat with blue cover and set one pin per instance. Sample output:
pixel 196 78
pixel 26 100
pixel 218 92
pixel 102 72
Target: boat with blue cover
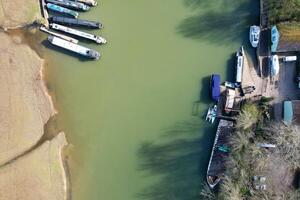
pixel 254 35
pixel 215 82
pixel 75 22
pixel 70 4
pixel 274 38
pixel 62 10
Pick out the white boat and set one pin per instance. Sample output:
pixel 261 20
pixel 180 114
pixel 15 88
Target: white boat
pixel 74 47
pixel 88 2
pixel 211 114
pixel 97 39
pixel 44 29
pixel 274 65
pixel 254 35
pixel 239 65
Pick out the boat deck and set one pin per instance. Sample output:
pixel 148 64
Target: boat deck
pixel 216 166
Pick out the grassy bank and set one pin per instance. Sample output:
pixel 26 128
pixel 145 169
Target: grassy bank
pixel 274 168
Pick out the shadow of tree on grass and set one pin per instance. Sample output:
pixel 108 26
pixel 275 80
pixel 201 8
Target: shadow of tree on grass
pixel 180 162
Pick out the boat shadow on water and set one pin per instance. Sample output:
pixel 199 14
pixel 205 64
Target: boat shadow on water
pixel 180 162
pixel 47 44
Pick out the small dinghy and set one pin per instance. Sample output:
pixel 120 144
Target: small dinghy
pixel 254 35
pixel 211 114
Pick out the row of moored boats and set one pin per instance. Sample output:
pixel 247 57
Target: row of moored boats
pixel 66 13
pixel 220 150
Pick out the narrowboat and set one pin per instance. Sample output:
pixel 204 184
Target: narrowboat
pixel 75 22
pixel 89 53
pixel 97 39
pixel 62 10
pixel 239 66
pixel 215 81
pixel 70 4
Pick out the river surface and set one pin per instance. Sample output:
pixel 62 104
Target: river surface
pixel 135 117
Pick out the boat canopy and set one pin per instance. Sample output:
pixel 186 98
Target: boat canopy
pixel 287 112
pixel 275 38
pixel 215 86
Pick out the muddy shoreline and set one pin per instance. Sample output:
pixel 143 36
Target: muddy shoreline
pixel 25 110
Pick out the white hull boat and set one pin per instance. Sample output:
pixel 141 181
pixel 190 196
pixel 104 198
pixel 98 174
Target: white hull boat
pixel 254 35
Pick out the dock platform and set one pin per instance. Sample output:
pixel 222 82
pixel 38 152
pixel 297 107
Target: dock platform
pixel 45 13
pixel 216 165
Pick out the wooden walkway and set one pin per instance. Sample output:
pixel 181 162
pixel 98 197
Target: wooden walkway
pixel 216 166
pixel 44 13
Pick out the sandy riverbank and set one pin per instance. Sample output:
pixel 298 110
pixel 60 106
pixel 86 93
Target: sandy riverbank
pixel 30 166
pixel 19 13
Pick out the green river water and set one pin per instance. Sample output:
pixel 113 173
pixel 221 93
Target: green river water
pixel 135 117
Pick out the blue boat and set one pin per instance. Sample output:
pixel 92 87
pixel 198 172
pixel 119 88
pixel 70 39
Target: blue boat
pixel 274 38
pixel 288 113
pixel 62 10
pixel 215 82
pixel 70 4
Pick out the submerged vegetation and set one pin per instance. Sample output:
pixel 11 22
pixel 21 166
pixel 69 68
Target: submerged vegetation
pixel 255 172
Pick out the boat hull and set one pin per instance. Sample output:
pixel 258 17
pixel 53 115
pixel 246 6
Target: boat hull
pixel 62 10
pixel 77 33
pixel 86 52
pixel 76 22
pixel 70 4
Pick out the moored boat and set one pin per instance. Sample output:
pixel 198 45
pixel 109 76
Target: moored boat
pixel 70 4
pixel 215 81
pixel 70 39
pixel 75 22
pixel 62 10
pixel 275 35
pixel 97 39
pixel 89 53
pixel 274 63
pixel 88 2
pixel 239 66
pixel 254 35
pixel 220 152
pixel 211 114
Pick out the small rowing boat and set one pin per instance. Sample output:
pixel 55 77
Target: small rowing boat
pixel 254 35
pixel 211 114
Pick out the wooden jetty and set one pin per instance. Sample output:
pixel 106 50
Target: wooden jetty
pixel 219 153
pixel 44 12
